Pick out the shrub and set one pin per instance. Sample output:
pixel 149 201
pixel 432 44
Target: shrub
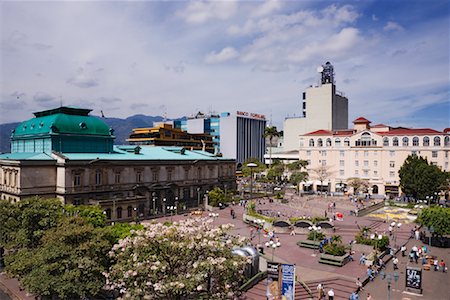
pixel 319 235
pixel 335 249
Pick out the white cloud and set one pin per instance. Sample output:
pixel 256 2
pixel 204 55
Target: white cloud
pixel 227 53
pixel 374 18
pixel 266 8
pixel 201 11
pixel 392 26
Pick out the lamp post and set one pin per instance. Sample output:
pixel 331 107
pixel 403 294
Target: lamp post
pixel 136 215
pixel 164 206
pixel 176 205
pixel 389 278
pixel 171 208
pixel 198 197
pixel 251 166
pixel 213 216
pixel 273 245
pixel 154 203
pixel 314 229
pixel 376 238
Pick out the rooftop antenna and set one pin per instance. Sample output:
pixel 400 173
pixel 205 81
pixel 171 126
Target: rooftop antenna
pixel 102 114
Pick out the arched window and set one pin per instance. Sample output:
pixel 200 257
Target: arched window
pixel 426 141
pixel 319 143
pixel 311 143
pixel 405 142
pixel 347 142
pixel 337 142
pixel 385 141
pixel 328 142
pixel 129 211
pixel 415 141
pixel 437 141
pixel 395 141
pixel 447 141
pixel 119 212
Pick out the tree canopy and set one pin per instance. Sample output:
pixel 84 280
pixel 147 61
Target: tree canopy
pixel 215 196
pixel 358 185
pixel 260 167
pixel 436 217
pixel 419 179
pixel 185 260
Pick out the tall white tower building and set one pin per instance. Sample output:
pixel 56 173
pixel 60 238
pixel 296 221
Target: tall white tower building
pixel 323 107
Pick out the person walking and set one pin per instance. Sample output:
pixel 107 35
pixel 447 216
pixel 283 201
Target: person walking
pixel 320 291
pixel 436 264
pixel 403 249
pixel 330 294
pixel 359 285
pixel 442 265
pixel 395 262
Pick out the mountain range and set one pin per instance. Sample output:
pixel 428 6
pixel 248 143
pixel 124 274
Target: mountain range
pixel 122 128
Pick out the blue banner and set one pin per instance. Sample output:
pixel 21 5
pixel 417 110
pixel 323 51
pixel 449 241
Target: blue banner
pixel 287 282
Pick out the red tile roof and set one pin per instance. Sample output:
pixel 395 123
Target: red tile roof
pixel 348 132
pixel 447 130
pixel 320 132
pixel 411 131
pixel 361 120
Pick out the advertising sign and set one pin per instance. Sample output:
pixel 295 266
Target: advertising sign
pixel 414 277
pixel 273 284
pixel 287 282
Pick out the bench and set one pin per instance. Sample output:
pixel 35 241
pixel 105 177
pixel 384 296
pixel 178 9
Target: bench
pixel 334 260
pixel 309 244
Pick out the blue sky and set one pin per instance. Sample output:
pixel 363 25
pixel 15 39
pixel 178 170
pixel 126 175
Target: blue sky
pixel 391 58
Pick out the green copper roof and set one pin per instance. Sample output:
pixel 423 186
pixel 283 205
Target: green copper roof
pixel 63 120
pixel 26 156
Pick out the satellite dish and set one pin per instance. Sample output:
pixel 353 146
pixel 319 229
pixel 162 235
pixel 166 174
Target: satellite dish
pixel 320 69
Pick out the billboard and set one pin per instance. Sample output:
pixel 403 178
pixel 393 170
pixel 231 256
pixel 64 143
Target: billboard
pixel 287 282
pixel 413 277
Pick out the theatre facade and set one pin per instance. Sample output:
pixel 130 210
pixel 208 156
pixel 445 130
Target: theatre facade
pixel 65 153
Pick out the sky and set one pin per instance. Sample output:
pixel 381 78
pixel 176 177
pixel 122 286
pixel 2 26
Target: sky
pixel 175 58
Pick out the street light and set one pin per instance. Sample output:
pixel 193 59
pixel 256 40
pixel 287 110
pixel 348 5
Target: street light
pixel 273 245
pixel 251 166
pixel 164 206
pixel 176 205
pixel 389 278
pixel 198 197
pixel 171 209
pixel 213 216
pixel 314 229
pixel 259 225
pixel 136 214
pixel 154 202
pixel 376 238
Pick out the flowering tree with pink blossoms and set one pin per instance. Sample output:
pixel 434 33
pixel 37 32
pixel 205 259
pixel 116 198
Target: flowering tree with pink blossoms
pixel 189 259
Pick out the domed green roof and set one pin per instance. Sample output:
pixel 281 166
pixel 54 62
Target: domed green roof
pixel 62 120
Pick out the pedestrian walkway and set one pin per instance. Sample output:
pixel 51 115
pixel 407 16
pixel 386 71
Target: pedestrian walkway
pixel 435 285
pixel 11 289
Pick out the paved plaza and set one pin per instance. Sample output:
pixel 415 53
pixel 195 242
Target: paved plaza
pixel 308 269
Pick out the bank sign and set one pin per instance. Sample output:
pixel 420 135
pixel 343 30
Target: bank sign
pixel 287 282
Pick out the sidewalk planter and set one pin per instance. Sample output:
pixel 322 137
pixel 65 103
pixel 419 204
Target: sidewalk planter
pixel 309 244
pixel 334 260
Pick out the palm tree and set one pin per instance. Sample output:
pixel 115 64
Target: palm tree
pixel 270 132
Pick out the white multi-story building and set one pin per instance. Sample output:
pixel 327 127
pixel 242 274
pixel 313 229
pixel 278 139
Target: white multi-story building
pixel 239 135
pixel 323 107
pixel 374 153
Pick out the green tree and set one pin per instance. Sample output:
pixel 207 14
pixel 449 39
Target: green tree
pixel 91 213
pixel 436 217
pixel 420 179
pixel 276 170
pixel 297 165
pixel 270 132
pixel 189 259
pixel 216 196
pixel 260 167
pixel 297 177
pixel 69 263
pixel 33 217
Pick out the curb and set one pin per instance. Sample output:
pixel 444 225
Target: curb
pixel 9 292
